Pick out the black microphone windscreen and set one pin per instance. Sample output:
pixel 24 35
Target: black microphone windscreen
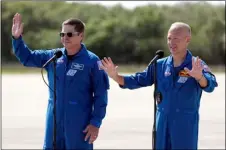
pixel 58 54
pixel 160 53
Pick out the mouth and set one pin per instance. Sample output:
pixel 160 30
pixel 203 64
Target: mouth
pixel 173 47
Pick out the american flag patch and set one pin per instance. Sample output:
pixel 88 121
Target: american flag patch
pixel 206 68
pixel 99 63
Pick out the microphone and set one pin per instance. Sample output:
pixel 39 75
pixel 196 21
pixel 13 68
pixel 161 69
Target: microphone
pixel 57 54
pixel 159 54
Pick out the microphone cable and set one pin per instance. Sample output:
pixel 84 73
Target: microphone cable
pixel 44 79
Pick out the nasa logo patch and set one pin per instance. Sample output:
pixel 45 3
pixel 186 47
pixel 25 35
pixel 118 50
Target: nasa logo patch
pixel 60 61
pixel 167 72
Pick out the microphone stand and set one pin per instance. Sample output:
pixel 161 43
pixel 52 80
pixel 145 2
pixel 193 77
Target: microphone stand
pixel 57 54
pixel 54 108
pixel 157 97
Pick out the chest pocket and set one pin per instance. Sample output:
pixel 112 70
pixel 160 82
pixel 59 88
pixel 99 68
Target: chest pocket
pixel 60 69
pixel 187 93
pixel 185 83
pixel 165 81
pixel 78 74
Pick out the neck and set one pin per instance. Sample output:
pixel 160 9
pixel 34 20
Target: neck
pixel 73 50
pixel 178 59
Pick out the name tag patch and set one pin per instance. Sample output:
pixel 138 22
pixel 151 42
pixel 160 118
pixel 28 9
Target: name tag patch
pixel 77 66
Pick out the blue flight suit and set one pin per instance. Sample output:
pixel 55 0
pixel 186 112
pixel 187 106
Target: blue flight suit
pixel 82 93
pixel 177 115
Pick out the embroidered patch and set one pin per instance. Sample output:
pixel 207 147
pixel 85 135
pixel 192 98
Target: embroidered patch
pixel 206 68
pixel 182 79
pixel 71 72
pixel 183 73
pixel 77 66
pixel 167 72
pixel 60 61
pixel 99 63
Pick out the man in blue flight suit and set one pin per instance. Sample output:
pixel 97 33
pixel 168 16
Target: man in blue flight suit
pixel 181 80
pixel 82 86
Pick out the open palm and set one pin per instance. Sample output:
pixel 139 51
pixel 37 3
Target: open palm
pixel 197 68
pixel 17 27
pixel 109 67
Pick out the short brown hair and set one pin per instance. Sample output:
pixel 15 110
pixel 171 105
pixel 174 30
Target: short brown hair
pixel 77 23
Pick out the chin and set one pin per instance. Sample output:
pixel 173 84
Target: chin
pixel 174 52
pixel 67 45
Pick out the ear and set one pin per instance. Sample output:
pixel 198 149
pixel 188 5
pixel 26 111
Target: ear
pixel 188 39
pixel 81 35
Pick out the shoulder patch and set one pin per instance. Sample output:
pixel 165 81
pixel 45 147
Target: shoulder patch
pixel 99 64
pixel 206 68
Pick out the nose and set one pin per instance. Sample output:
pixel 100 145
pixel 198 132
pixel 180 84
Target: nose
pixel 171 42
pixel 66 37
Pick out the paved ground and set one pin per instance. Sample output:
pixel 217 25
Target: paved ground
pixel 128 123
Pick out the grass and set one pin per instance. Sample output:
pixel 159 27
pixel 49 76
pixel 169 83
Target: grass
pixel 17 68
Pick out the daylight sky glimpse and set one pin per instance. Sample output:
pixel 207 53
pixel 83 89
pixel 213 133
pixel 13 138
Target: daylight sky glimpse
pixel 133 4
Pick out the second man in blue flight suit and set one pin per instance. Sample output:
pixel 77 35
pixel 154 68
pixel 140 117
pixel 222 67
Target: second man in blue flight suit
pixel 82 95
pixel 181 80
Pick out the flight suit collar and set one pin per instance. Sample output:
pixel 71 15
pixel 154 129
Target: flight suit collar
pixel 81 52
pixel 187 60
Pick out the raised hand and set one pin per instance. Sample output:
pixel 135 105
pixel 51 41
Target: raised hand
pixel 109 67
pixel 197 68
pixel 17 27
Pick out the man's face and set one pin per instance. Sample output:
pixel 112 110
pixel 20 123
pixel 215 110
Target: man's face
pixel 177 40
pixel 69 37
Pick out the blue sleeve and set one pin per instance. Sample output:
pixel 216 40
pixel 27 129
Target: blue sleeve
pixel 211 79
pixel 139 79
pixel 100 93
pixel 28 58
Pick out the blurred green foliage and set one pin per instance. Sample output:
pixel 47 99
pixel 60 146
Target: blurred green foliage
pixel 127 36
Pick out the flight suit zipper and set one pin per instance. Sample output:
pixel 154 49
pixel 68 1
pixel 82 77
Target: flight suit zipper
pixel 64 95
pixel 173 85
